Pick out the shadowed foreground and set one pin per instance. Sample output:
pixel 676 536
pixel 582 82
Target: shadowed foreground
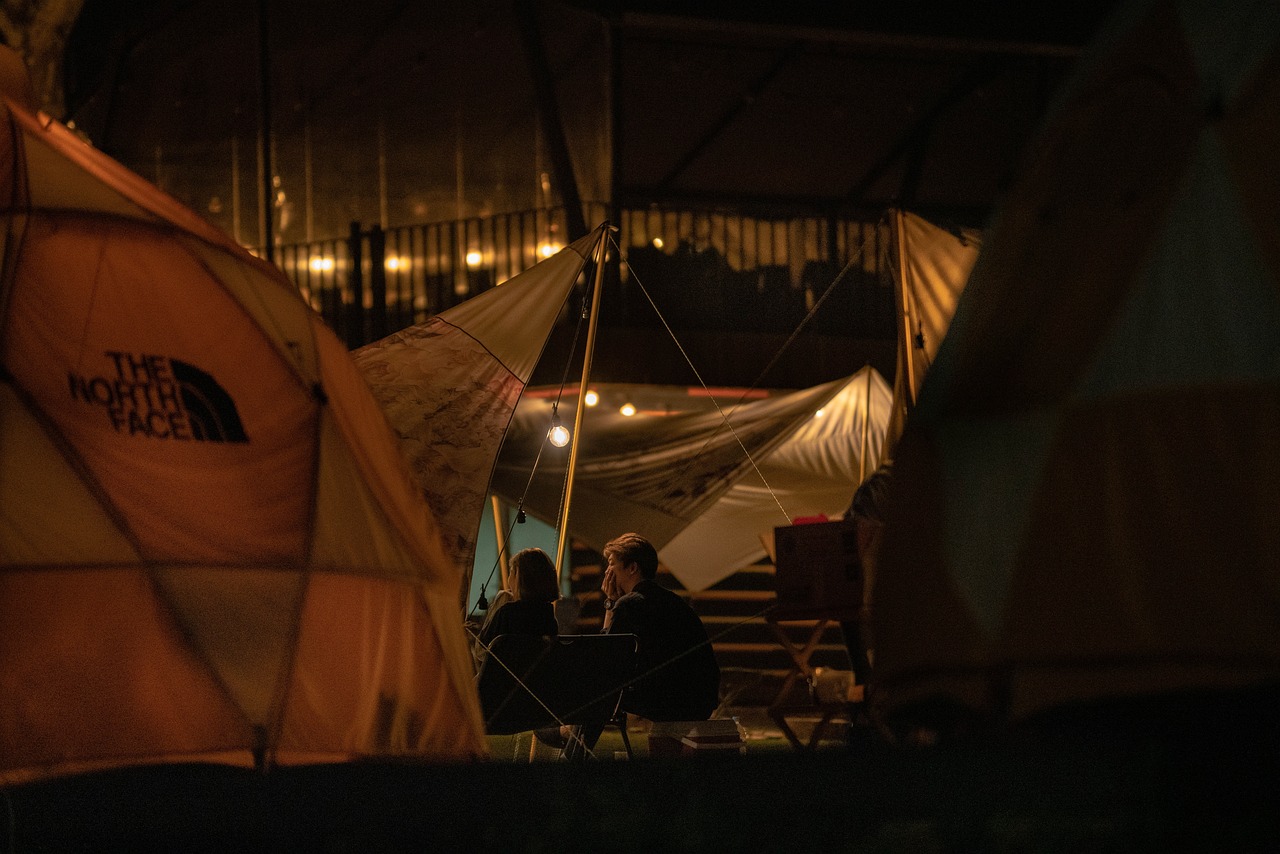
pixel 1148 787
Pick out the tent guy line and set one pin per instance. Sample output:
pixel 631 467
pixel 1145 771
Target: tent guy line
pixel 726 416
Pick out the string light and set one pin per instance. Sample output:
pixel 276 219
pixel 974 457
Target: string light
pixel 628 409
pixel 592 398
pixel 558 435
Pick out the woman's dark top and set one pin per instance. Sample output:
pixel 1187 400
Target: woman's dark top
pixel 521 617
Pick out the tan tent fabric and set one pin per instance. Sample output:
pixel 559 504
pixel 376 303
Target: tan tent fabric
pixel 1086 496
pixel 691 484
pixel 930 266
pixel 209 544
pixel 449 386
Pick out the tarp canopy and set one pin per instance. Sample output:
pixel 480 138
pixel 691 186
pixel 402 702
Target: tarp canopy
pixel 450 388
pixel 814 472
pixel 1086 496
pixel 210 547
pixel 702 483
pixel 450 385
pixel 930 266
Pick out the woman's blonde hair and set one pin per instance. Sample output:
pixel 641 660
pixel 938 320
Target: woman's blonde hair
pixel 532 575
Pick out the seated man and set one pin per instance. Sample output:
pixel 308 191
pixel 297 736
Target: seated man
pixel 677 677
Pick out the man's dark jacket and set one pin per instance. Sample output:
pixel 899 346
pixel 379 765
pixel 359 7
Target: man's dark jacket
pixel 679 677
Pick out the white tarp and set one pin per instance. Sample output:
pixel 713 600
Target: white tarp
pixel 694 486
pixel 930 266
pixel 814 472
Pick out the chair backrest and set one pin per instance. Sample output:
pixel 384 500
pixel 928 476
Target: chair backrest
pixel 528 682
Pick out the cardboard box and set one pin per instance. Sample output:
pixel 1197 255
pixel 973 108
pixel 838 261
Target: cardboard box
pixel 817 568
pixel 719 737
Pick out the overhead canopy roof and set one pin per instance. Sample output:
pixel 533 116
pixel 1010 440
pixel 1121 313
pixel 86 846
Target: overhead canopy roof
pixel 924 104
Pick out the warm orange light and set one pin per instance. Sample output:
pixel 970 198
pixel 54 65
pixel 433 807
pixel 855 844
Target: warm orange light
pixel 628 410
pixel 591 398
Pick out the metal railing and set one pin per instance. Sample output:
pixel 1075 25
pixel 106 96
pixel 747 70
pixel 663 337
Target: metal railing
pixel 703 270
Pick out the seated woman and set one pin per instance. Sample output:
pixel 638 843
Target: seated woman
pixel 529 606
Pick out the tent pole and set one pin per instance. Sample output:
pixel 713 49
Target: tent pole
pixel 582 393
pixel 500 536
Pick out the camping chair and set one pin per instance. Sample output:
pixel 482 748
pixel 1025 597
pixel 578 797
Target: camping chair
pixel 529 683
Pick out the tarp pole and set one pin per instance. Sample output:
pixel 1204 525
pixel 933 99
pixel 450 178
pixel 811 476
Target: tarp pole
pixel 582 394
pixel 500 536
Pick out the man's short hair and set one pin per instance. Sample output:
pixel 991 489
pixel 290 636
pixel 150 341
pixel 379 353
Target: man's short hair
pixel 633 548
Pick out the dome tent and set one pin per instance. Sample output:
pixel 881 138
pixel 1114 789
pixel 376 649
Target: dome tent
pixel 210 548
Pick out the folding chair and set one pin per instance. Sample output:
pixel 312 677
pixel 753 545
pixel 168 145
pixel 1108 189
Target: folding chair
pixel 529 683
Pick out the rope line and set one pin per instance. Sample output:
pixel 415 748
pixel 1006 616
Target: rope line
pixel 856 258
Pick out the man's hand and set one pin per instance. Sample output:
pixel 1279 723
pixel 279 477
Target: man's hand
pixel 609 585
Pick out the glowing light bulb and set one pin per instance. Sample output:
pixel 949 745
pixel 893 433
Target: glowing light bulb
pixel 558 435
pixel 657 243
pixel 628 409
pixel 591 398
pixel 820 413
pixel 474 258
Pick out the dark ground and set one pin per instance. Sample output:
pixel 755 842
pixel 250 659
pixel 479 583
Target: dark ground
pixel 1166 785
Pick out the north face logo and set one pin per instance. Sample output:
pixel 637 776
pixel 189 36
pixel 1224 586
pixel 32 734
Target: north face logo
pixel 161 398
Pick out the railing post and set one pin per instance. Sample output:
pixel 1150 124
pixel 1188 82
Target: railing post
pixel 377 283
pixel 353 325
